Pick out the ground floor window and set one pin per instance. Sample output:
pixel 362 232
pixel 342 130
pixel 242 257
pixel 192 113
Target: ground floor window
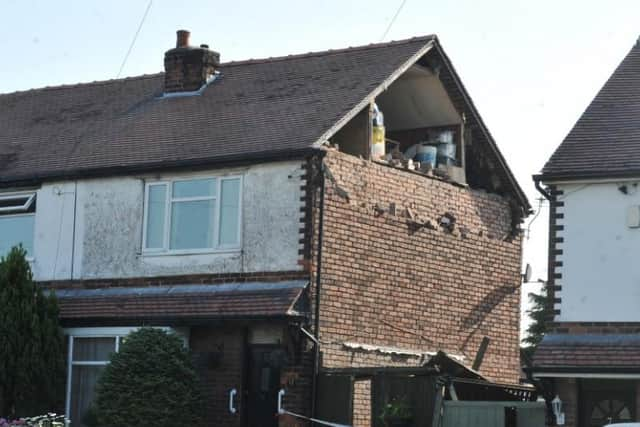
pixel 88 354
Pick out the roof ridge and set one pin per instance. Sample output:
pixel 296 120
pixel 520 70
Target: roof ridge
pixel 425 38
pixel 83 84
pixel 232 64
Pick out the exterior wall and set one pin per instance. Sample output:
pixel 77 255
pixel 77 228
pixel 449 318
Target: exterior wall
pixel 567 389
pixel 108 228
pixel 231 371
pixel 388 282
pixel 53 239
pixel 598 277
pixel 219 378
pixel 362 403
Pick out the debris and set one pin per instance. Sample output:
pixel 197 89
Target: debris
pixel 448 221
pixel 411 214
pixel 392 209
pixel 339 190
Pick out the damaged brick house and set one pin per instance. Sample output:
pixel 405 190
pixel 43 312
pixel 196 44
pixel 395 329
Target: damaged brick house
pixel 239 204
pixel 590 357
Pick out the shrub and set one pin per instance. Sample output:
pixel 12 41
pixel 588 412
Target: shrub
pixel 31 353
pixel 150 381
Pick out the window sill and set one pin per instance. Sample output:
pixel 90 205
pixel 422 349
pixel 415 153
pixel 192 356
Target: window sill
pixel 188 253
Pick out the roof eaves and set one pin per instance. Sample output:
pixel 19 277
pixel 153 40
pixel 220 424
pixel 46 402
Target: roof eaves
pixel 585 175
pixel 234 160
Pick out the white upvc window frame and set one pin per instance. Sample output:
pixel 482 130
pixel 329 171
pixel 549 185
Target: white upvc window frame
pixel 31 196
pixel 169 200
pixel 117 333
pixel 19 210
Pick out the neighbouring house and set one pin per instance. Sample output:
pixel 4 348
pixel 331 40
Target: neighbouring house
pixel 590 357
pixel 244 206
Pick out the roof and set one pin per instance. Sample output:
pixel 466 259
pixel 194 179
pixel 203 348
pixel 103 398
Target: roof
pixel 573 352
pixel 253 108
pixel 605 141
pixel 183 302
pixel 262 109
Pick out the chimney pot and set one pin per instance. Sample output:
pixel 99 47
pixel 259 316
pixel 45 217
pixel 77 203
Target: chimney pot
pixel 183 38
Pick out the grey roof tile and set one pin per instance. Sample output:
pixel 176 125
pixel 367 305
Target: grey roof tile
pixel 254 107
pixel 605 141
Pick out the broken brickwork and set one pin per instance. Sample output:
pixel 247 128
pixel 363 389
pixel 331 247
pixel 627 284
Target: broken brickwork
pixel 413 265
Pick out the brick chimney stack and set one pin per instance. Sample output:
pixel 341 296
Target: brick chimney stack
pixel 188 68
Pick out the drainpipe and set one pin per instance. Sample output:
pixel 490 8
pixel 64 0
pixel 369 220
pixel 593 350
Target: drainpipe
pixel 316 328
pixel 539 385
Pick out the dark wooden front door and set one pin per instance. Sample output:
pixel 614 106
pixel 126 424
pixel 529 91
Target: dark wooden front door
pixel 265 362
pixel 605 402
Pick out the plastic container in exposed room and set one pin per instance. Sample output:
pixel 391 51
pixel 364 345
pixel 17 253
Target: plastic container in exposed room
pixel 426 154
pixel 377 134
pixel 446 149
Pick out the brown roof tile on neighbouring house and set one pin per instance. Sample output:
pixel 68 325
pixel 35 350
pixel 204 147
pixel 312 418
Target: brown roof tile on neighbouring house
pixel 588 351
pixel 605 142
pixel 186 302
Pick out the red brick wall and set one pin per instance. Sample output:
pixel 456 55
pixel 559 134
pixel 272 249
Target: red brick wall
pixel 362 403
pixel 567 389
pixel 218 380
pixel 386 283
pixel 297 381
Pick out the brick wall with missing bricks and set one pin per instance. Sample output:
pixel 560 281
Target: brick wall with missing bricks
pixel 400 283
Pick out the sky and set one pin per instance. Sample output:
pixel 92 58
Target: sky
pixel 531 67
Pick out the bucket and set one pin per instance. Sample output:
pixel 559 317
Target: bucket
pixel 446 154
pixel 427 154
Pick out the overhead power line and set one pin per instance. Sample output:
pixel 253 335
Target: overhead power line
pixel 135 37
pixel 393 20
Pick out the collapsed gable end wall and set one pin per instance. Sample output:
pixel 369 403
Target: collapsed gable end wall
pixel 392 281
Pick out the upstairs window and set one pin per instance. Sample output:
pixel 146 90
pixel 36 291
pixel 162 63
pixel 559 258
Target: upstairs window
pixel 192 215
pixel 17 220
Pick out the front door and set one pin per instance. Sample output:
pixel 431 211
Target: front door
pixel 606 402
pixel 265 362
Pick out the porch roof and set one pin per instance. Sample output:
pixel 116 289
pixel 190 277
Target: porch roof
pixel 183 303
pixel 597 352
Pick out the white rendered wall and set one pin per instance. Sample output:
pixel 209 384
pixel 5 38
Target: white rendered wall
pixel 109 218
pixel 601 254
pixel 53 234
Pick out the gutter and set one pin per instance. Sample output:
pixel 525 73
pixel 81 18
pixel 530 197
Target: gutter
pixel 537 179
pixel 163 166
pixel 578 176
pixel 536 371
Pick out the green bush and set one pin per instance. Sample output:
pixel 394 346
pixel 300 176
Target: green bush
pixel 151 381
pixel 31 342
